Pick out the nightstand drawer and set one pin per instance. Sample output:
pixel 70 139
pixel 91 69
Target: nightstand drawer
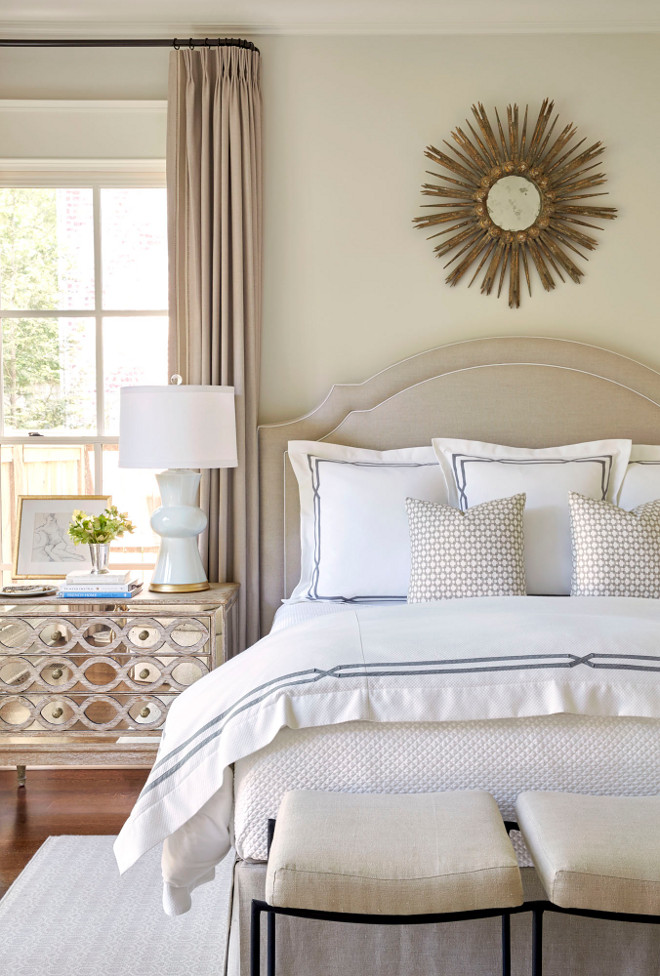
pixel 82 714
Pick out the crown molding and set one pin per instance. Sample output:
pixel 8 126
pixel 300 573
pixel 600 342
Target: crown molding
pixel 81 165
pixel 56 30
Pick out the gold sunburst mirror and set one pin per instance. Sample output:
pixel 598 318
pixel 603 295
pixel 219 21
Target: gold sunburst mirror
pixel 515 201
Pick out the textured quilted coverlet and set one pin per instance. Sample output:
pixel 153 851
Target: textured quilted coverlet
pixel 460 660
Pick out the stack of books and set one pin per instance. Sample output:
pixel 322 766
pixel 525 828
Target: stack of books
pixel 121 584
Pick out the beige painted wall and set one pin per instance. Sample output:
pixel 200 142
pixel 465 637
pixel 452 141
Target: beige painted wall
pixel 350 285
pixel 73 75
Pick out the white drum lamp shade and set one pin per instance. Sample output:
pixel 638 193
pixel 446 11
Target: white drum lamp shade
pixel 184 429
pixel 177 427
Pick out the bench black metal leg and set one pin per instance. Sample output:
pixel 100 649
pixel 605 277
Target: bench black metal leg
pixel 271 912
pixel 506 944
pixel 537 941
pixel 270 943
pixel 255 940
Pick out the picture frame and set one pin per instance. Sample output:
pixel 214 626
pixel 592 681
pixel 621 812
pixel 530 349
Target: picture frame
pixel 43 548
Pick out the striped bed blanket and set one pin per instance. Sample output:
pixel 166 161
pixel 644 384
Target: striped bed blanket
pixel 490 658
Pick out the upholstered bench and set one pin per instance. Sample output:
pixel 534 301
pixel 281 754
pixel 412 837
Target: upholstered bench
pixel 597 856
pixel 388 859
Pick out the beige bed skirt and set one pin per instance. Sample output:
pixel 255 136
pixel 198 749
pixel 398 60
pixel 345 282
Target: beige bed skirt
pixel 572 946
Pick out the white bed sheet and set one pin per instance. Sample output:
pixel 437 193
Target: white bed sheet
pixel 572 753
pixel 299 612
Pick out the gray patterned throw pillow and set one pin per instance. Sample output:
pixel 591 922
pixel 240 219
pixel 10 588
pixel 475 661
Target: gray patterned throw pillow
pixel 465 554
pixel 615 552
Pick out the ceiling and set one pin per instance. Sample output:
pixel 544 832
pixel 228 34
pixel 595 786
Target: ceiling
pixel 165 18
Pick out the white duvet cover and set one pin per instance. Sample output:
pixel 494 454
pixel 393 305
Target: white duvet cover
pixel 462 660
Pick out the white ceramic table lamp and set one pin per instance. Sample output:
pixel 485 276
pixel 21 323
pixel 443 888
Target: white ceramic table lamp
pixel 180 428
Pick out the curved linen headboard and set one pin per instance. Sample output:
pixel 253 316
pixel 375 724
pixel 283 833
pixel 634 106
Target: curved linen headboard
pixel 523 392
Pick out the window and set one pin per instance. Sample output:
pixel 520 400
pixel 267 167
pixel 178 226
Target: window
pixel 83 311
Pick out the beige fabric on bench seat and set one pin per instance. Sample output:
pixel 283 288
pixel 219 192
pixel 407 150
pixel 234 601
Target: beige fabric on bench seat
pixel 595 852
pixel 391 854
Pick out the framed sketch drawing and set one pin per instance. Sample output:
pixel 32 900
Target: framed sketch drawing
pixel 44 549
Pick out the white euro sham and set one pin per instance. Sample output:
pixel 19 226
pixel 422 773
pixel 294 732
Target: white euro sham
pixel 642 480
pixel 477 472
pixel 353 523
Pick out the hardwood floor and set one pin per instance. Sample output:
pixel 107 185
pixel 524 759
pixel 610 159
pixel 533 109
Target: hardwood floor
pixel 60 801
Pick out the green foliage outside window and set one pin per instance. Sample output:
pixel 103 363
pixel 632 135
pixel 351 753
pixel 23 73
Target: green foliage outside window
pixel 28 248
pixel 34 350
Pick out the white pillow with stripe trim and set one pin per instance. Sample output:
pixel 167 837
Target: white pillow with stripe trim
pixel 642 480
pixel 353 525
pixel 478 472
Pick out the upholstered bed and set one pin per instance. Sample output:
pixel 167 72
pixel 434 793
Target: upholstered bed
pixel 568 697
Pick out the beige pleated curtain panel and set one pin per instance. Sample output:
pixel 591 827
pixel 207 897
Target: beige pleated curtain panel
pixel 214 192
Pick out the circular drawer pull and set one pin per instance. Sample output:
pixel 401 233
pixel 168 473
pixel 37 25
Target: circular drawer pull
pixel 145 712
pixel 144 673
pixel 57 673
pixel 143 635
pixel 57 712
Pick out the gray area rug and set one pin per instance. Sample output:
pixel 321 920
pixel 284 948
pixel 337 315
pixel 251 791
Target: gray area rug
pixel 70 912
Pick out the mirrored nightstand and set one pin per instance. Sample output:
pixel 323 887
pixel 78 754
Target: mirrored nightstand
pixel 87 683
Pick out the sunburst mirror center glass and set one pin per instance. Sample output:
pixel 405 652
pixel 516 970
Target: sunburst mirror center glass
pixel 513 203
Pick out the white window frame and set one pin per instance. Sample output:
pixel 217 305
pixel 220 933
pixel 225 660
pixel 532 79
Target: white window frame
pixel 81 174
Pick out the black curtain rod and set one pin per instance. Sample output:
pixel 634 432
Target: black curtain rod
pixel 176 43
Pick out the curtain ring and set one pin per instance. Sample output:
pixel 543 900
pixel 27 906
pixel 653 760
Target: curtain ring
pixel 191 45
pixel 206 42
pixel 175 45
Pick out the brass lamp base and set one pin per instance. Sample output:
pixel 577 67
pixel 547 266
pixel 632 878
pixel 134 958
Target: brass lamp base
pixel 179 587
